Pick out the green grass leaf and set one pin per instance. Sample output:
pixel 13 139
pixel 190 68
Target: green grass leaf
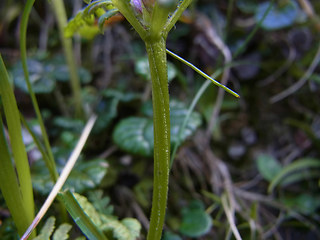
pixel 80 217
pixel 24 213
pixel 298 165
pixel 305 203
pixel 9 184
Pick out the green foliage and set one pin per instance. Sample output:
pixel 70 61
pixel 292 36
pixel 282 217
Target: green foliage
pixel 84 22
pixel 142 68
pixel 293 171
pixel 44 74
pixel 100 203
pixel 268 167
pixel 107 108
pixel 81 218
pixel 266 64
pixel 86 175
pixel 69 124
pixel 61 233
pixel 47 229
pixel 170 236
pixel 126 229
pixel 142 192
pixel 195 221
pixel 305 203
pixel 135 134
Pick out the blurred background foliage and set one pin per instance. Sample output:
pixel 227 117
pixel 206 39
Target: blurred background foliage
pixel 247 166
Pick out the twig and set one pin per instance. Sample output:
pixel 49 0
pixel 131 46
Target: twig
pixel 230 215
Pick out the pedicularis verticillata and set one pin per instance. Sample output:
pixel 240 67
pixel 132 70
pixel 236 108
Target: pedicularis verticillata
pixel 152 19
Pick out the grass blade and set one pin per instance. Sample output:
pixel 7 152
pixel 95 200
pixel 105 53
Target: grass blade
pixel 23 34
pixel 9 185
pixel 295 166
pixel 18 149
pixel 80 217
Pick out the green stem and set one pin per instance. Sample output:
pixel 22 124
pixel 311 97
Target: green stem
pixel 176 15
pixel 23 49
pixel 203 74
pixel 127 11
pixel 156 50
pixel 61 16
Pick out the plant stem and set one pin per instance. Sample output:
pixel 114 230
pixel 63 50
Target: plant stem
pixel 50 163
pixel 156 49
pixel 61 17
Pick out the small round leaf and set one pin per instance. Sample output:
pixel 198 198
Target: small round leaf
pixel 195 221
pixel 268 167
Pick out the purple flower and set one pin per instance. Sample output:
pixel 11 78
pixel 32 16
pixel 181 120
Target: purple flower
pixel 137 5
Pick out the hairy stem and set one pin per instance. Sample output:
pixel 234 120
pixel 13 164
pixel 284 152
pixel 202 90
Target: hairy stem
pixel 156 50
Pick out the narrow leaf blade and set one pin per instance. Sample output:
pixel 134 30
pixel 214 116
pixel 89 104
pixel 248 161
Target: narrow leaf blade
pixel 80 217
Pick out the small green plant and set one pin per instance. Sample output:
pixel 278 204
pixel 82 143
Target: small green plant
pixel 129 129
pixel 153 21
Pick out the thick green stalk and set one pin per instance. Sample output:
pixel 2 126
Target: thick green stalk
pixel 156 50
pixel 19 155
pixel 9 186
pixel 61 16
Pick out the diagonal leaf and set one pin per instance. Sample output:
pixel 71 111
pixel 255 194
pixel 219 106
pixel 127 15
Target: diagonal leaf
pixel 18 149
pixel 9 185
pixel 291 168
pixel 80 217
